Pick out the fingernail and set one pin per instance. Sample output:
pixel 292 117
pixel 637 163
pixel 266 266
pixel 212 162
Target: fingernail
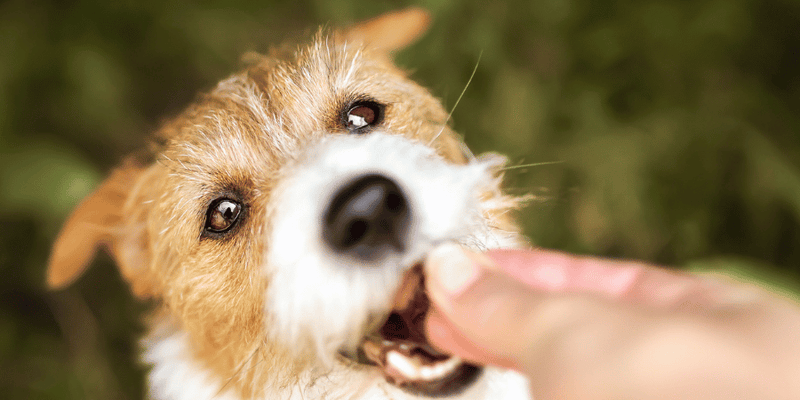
pixel 452 268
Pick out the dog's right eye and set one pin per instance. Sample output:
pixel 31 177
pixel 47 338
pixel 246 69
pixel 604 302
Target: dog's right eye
pixel 222 215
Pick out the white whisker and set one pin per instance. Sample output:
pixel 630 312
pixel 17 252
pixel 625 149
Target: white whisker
pixel 469 81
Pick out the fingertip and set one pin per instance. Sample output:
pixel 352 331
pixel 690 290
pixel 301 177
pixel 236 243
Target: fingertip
pixel 437 330
pixel 443 336
pixel 450 270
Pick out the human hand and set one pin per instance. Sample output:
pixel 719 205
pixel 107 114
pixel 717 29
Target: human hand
pixel 587 328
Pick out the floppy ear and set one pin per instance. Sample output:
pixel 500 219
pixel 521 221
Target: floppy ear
pixel 391 31
pixel 98 220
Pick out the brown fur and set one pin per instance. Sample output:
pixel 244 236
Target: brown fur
pixel 238 136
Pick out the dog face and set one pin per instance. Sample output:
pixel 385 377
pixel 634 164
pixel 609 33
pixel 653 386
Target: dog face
pixel 281 216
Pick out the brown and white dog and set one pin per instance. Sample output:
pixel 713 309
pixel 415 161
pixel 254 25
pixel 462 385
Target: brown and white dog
pixel 280 223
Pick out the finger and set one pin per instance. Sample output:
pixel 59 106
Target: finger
pixel 632 282
pixel 577 342
pixel 441 333
pixel 488 310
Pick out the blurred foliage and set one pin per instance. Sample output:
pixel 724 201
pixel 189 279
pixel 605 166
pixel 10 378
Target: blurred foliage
pixel 675 124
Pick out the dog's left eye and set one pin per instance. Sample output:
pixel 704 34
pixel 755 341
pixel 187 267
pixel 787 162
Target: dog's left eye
pixel 222 215
pixel 361 115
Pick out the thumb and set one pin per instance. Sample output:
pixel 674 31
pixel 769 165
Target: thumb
pixel 539 308
pixel 479 312
pixel 566 342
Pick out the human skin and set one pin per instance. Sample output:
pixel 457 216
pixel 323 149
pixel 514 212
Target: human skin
pixel 590 328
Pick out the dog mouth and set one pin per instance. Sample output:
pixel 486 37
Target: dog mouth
pixel 404 355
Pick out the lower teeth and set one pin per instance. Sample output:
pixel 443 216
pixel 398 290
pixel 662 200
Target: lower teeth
pixel 403 361
pixel 412 368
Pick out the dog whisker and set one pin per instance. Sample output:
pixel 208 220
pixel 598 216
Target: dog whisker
pixel 531 165
pixel 453 109
pixel 239 370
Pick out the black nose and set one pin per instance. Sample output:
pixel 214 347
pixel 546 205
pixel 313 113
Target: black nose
pixel 367 218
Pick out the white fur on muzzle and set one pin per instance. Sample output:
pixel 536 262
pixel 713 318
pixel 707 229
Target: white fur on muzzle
pixel 321 301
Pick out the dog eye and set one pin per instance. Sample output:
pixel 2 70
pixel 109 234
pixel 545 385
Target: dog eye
pixel 222 215
pixel 362 115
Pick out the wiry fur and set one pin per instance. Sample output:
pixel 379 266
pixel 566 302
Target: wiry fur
pixel 261 312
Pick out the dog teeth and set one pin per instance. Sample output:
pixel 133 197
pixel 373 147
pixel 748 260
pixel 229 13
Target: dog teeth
pixel 440 369
pixel 412 369
pixel 406 366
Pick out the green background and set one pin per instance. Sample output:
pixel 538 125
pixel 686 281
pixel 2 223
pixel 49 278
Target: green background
pixel 674 124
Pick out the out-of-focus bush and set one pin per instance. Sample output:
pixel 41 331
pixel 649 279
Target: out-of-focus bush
pixel 674 124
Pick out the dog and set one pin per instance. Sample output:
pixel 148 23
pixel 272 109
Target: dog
pixel 279 223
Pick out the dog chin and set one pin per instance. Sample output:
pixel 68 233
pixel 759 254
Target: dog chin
pixel 325 272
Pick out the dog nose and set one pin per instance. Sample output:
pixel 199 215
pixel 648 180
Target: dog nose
pixel 367 218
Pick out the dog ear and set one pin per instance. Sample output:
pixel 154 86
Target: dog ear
pixel 98 220
pixel 391 31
